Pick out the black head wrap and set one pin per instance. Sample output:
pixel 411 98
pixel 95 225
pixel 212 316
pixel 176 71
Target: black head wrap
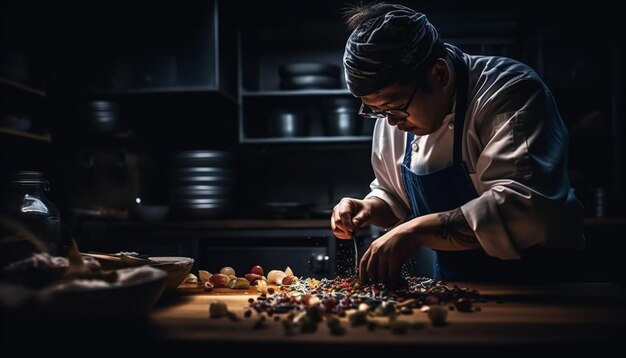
pixel 383 49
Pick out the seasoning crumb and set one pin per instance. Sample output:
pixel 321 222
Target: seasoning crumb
pixel 260 323
pixel 218 309
pixel 309 302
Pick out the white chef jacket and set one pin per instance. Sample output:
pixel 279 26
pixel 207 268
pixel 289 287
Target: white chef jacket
pixel 515 149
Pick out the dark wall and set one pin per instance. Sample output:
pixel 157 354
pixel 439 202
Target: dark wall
pixel 72 48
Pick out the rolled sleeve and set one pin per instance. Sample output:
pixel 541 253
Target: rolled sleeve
pixel 483 217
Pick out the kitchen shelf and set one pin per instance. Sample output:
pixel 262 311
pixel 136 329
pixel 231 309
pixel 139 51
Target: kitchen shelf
pixel 197 89
pixel 264 48
pixel 260 224
pixel 214 224
pixel 22 87
pixel 604 222
pixel 292 93
pixel 216 229
pixel 261 112
pixel 320 139
pixel 46 138
pixel 578 86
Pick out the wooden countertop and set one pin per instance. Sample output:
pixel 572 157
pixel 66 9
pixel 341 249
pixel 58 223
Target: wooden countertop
pixel 212 224
pixel 567 314
pixel 532 319
pixel 238 224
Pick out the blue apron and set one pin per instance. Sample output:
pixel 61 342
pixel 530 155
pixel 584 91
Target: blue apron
pixel 448 189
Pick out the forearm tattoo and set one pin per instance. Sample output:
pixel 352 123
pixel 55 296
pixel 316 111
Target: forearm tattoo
pixel 455 228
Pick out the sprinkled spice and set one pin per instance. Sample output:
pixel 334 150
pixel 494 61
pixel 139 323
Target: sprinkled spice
pixel 338 295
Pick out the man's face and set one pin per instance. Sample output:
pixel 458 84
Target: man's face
pixel 426 108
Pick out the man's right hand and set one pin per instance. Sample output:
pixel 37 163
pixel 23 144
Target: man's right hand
pixel 349 215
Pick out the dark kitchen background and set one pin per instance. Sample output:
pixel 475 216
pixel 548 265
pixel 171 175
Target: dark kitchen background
pixel 180 129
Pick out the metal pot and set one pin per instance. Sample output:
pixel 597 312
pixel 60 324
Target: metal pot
pixel 342 119
pixel 286 123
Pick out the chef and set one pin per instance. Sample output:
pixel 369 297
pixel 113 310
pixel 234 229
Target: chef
pixel 469 155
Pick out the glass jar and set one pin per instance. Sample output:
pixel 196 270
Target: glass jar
pixel 24 200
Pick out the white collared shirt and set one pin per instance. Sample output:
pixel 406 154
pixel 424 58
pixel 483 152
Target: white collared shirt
pixel 515 149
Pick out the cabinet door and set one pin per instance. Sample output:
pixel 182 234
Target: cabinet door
pixel 144 48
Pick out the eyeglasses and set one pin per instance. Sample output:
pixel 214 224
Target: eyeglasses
pixel 399 113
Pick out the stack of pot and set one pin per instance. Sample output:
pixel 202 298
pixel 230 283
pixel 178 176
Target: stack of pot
pixel 309 75
pixel 201 184
pixel 102 116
